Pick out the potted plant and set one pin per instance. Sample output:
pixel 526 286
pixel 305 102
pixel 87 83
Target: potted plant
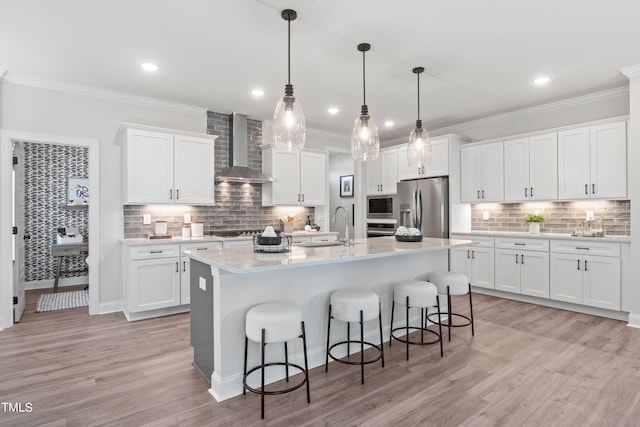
pixel 534 220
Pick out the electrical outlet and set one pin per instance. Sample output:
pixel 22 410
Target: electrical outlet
pixel 187 218
pixel 202 283
pixel 146 219
pixel 485 215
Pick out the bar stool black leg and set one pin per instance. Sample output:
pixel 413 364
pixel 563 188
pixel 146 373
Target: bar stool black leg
pixel 246 344
pixel 348 339
pixel 306 363
pixel 407 326
pixel 286 359
pixel 380 325
pixel 361 346
pixel 423 322
pixel 326 360
pixel 439 325
pixel 393 306
pixel 262 346
pixel 449 315
pixel 471 311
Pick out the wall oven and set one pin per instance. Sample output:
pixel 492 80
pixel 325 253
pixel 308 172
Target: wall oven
pixel 382 207
pixel 381 227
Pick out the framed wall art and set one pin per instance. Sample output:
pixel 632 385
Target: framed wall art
pixel 346 186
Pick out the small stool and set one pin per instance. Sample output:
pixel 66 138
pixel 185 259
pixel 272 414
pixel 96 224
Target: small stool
pixel 272 323
pixel 416 294
pixel 449 283
pixel 354 305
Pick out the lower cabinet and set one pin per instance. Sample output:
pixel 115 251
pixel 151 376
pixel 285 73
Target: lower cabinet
pixel 475 261
pixel 522 266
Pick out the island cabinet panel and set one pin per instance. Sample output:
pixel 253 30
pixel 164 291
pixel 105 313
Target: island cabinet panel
pixel 164 166
pixel 475 261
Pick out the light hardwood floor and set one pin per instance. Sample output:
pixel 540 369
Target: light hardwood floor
pixel 527 365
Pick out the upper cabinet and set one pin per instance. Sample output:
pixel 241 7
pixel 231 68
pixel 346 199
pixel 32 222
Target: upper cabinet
pixel 382 173
pixel 300 178
pixel 531 168
pixel 482 173
pixel 166 166
pixel 592 162
pixel 439 161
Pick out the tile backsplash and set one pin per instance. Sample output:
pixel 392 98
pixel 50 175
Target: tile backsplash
pixel 238 205
pixel 560 217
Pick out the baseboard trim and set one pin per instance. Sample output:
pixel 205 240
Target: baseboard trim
pixel 634 320
pixel 110 307
pixel 48 283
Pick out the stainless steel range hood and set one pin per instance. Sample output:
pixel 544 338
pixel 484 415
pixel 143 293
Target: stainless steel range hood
pixel 238 170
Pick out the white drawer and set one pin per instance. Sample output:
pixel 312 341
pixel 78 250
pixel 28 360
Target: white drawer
pixel 484 242
pixel 522 244
pixel 300 239
pixel 202 246
pixel 150 252
pixel 585 248
pixel 324 238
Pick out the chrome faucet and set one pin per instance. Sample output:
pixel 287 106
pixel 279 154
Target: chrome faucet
pixel 346 223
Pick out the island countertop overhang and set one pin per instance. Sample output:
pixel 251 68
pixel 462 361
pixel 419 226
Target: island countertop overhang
pixel 245 260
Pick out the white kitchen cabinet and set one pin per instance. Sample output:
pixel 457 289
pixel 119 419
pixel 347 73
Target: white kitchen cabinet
pixel 578 276
pixel 482 173
pixel 300 178
pixel 522 266
pixel 475 261
pixel 185 267
pixel 166 166
pixel 439 161
pixel 592 162
pixel 382 174
pixel 531 168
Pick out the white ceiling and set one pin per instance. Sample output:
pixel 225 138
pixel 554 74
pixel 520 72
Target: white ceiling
pixel 480 56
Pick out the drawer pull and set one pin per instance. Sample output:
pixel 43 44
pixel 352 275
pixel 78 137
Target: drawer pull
pixel 201 249
pixel 155 252
pixel 520 244
pixel 582 248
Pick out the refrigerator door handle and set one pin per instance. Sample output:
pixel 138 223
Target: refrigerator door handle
pixel 419 209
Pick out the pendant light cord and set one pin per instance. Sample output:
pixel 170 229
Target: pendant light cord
pixel 288 50
pixel 418 95
pixel 364 86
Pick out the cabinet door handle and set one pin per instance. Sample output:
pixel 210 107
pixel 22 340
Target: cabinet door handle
pixel 522 259
pixel 586 265
pixel 177 194
pixel 184 265
pixel 473 254
pixel 478 194
pixel 298 197
pixel 578 264
pixel 468 253
pixel 530 191
pixel 593 190
pixel 483 194
pixel 177 268
pixel 303 197
pixel 516 258
pixel 586 189
pixel 525 191
pixel 155 252
pixel 170 194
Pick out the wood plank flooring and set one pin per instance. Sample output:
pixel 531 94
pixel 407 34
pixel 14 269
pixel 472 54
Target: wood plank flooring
pixel 527 366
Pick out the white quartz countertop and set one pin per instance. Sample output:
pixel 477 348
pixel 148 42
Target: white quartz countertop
pixel 558 236
pixel 245 260
pixel 179 239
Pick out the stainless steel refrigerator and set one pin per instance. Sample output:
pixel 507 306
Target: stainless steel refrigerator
pixel 424 204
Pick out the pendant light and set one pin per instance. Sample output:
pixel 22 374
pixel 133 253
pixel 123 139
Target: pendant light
pixel 288 120
pixel 365 143
pixel 419 146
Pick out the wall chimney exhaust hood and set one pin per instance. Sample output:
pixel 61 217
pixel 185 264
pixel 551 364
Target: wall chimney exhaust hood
pixel 238 170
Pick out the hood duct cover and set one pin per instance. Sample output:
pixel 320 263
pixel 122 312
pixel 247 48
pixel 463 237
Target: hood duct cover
pixel 238 170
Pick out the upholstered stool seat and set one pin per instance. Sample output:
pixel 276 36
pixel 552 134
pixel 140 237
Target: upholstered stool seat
pixel 354 305
pixel 451 284
pixel 273 323
pixel 415 294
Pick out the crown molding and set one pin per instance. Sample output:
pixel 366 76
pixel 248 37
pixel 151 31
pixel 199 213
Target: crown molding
pixel 108 95
pixel 631 71
pixel 540 109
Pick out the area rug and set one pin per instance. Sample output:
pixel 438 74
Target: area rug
pixel 62 301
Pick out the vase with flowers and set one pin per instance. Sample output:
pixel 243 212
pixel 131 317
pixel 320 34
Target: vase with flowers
pixel 534 220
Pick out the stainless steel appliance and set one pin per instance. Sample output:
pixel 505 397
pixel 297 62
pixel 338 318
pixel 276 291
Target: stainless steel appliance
pixel 381 227
pixel 382 207
pixel 424 204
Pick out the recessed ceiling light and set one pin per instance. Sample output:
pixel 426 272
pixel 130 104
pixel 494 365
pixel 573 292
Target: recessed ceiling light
pixel 148 66
pixel 389 123
pixel 333 110
pixel 257 93
pixel 542 80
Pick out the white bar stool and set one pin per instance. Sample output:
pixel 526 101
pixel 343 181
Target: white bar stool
pixel 354 305
pixel 272 323
pixel 450 283
pixel 416 294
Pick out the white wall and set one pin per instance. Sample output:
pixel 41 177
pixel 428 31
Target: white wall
pixel 341 164
pixel 37 110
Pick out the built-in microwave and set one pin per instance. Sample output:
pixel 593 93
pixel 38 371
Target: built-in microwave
pixel 382 207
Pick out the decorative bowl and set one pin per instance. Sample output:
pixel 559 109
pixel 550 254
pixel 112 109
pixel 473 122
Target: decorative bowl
pixel 417 238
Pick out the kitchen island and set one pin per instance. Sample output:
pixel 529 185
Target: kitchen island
pixel 225 283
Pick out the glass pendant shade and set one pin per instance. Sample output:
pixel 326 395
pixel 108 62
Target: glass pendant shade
pixel 419 147
pixel 365 142
pixel 288 125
